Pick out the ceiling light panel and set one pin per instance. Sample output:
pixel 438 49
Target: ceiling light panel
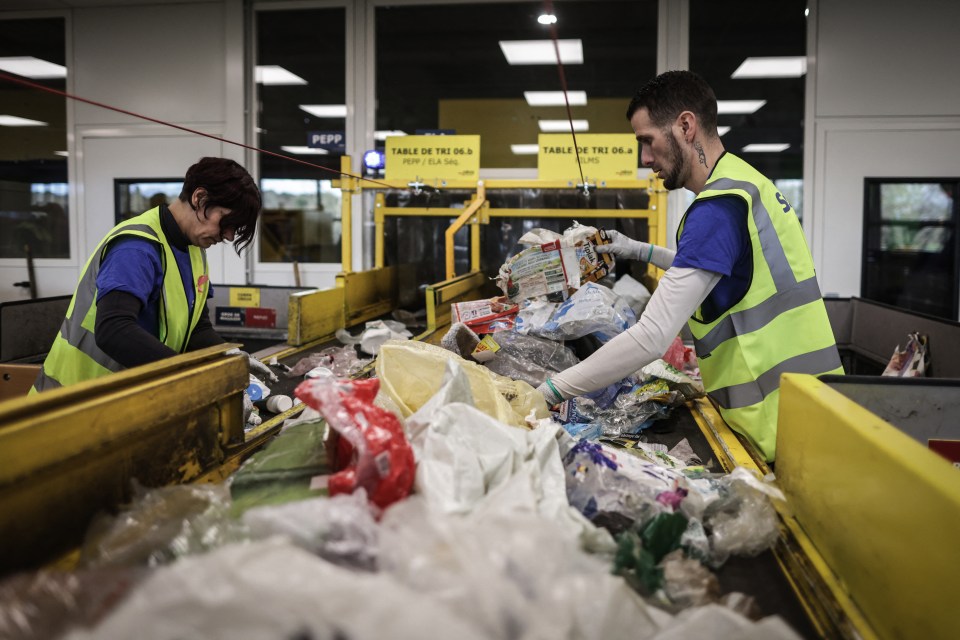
pixel 30 67
pixel 772 67
pixel 561 126
pixel 555 98
pixel 722 130
pixel 274 75
pixel 326 110
pixel 525 149
pixel 739 106
pixel 542 51
pixel 306 151
pixel 383 135
pixel 772 147
pixel 16 121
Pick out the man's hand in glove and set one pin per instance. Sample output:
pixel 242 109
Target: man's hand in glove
pixel 624 247
pixel 255 365
pixel 550 393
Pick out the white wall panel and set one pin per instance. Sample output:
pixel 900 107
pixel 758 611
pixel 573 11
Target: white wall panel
pixel 165 61
pixel 142 156
pixel 849 151
pixel 887 58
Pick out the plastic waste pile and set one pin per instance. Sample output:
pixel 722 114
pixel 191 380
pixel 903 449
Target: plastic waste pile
pixel 500 514
pixel 440 499
pixel 527 333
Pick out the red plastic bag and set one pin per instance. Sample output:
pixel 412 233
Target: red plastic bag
pixel 372 451
pixel 679 356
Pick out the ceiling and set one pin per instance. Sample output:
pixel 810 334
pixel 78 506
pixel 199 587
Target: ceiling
pixel 433 55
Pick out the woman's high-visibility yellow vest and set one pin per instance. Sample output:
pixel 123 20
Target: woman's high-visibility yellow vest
pixel 779 326
pixel 75 355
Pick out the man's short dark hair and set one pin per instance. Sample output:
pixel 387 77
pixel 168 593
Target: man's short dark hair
pixel 227 185
pixel 673 92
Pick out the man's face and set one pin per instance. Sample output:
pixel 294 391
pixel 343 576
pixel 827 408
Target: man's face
pixel 660 150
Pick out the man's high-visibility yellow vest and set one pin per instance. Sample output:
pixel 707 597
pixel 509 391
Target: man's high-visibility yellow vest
pixel 779 326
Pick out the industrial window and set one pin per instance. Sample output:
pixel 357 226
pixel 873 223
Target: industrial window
pixel 34 208
pixel 910 244
pixel 754 57
pixel 445 68
pixel 300 80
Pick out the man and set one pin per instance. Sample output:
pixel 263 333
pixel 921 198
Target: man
pixel 742 276
pixel 143 293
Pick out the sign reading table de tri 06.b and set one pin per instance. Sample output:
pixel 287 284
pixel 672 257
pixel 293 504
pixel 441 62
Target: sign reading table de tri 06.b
pixel 433 158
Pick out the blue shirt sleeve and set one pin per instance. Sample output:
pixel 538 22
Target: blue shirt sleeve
pixel 132 265
pixel 714 236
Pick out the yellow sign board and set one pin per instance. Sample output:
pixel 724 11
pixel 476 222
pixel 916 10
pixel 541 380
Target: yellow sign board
pixel 244 297
pixel 603 156
pixel 433 158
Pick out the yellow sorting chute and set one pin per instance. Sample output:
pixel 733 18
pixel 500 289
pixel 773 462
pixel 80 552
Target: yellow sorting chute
pixel 411 372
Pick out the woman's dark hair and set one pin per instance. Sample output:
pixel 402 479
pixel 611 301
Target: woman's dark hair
pixel 227 185
pixel 671 93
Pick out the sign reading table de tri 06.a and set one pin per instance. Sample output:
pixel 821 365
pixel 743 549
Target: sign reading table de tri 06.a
pixel 433 158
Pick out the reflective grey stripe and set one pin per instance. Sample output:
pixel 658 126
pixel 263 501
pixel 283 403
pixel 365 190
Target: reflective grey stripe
pixel 86 342
pixel 134 227
pixel 773 253
pixel 748 393
pixel 755 318
pixel 45 382
pixel 72 328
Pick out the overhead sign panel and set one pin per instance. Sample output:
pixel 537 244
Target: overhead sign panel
pixel 433 158
pixel 330 140
pixel 603 156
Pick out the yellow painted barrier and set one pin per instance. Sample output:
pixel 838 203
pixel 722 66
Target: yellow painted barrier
pixel 881 510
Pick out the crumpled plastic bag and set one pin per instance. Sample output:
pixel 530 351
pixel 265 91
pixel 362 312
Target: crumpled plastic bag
pixel 274 590
pixel 375 333
pixel 46 603
pixel 533 315
pixel 373 451
pixel 911 361
pixel 160 525
pixel 411 372
pixel 465 458
pixel 529 358
pixel 342 362
pixel 340 529
pixel 511 573
pixel 593 309
pixel 742 521
pixel 633 292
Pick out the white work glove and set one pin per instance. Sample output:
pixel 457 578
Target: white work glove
pixel 625 247
pixel 254 365
pixel 549 393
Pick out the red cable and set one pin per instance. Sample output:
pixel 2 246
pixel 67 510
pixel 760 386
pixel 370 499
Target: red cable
pixel 33 85
pixel 548 6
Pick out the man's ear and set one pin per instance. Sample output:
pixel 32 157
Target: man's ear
pixel 687 123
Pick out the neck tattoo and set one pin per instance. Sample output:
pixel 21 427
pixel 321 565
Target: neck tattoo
pixel 700 153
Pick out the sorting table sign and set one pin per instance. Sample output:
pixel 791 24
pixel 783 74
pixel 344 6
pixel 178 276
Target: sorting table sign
pixel 432 158
pixel 603 156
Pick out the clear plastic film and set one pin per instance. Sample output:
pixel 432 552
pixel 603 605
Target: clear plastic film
pixel 160 525
pixel 45 604
pixel 529 358
pixel 593 309
pixel 340 529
